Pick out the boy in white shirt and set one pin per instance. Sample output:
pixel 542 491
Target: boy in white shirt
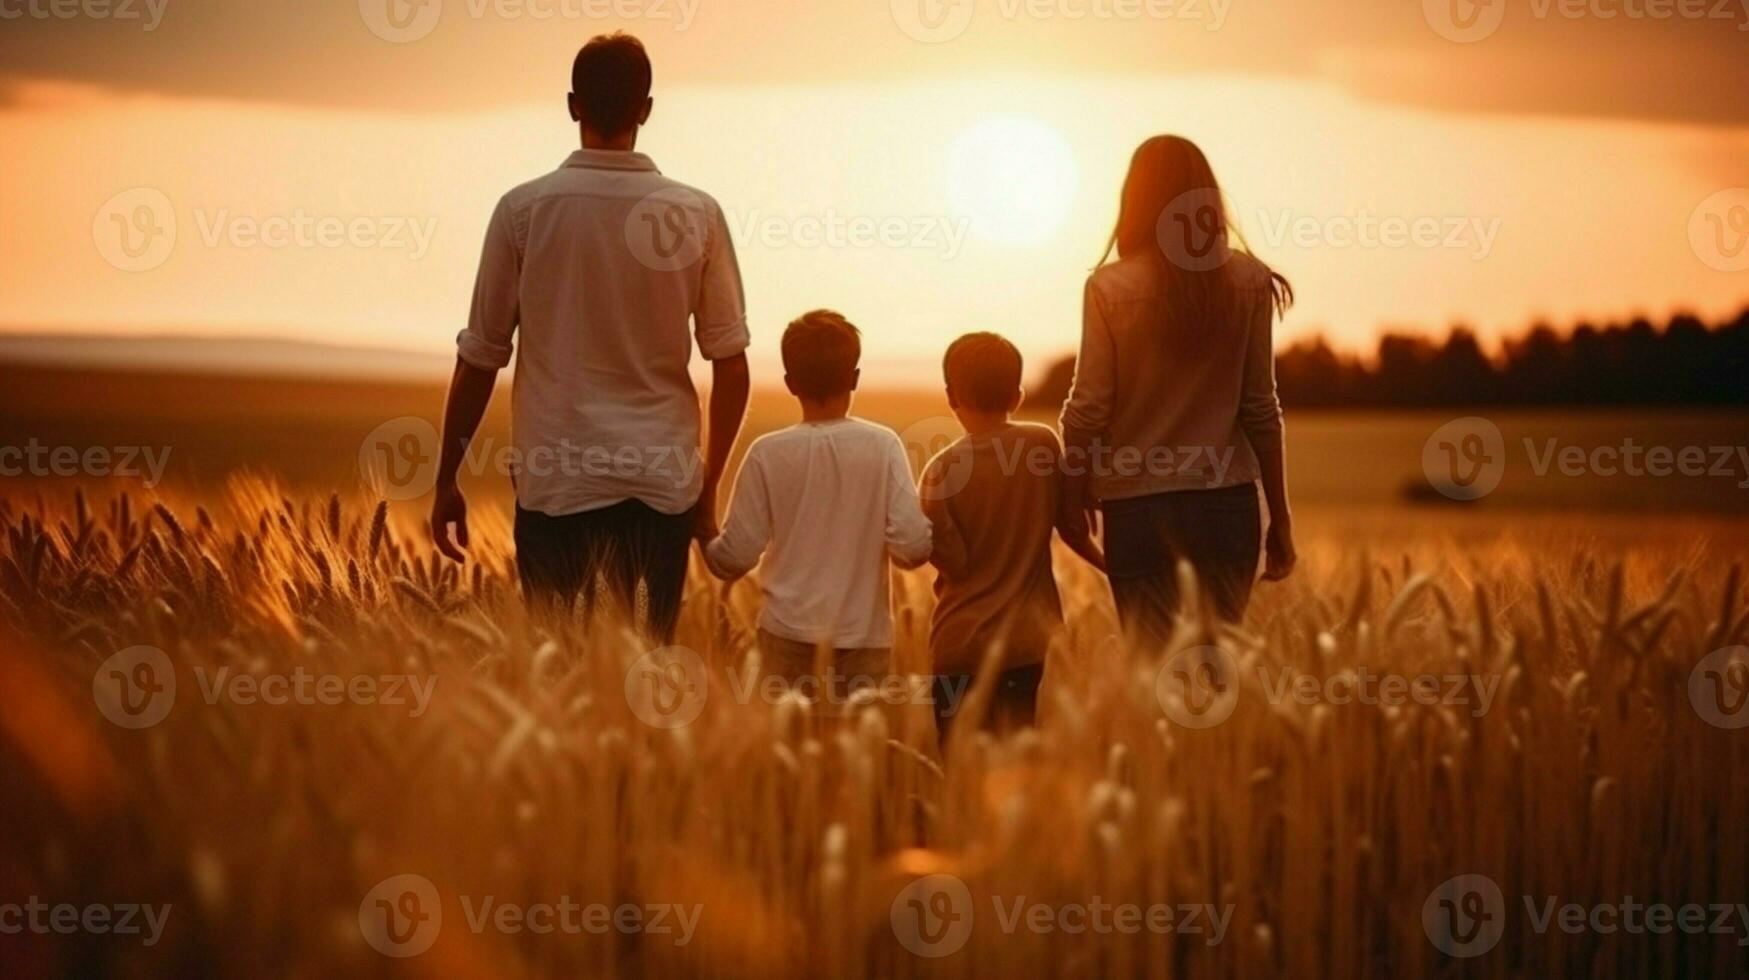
pixel 826 503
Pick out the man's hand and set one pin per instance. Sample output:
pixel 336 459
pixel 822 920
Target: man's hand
pixel 704 516
pixel 449 508
pixel 1280 556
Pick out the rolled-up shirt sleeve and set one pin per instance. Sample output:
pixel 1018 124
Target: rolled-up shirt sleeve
pixel 487 342
pixel 910 537
pixel 747 531
pixel 721 317
pixel 1095 387
pixel 1259 404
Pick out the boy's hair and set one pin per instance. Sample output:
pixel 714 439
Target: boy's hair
pixel 984 370
pixel 611 79
pixel 820 353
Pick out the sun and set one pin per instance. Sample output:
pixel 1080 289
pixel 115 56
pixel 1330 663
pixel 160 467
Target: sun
pixel 1013 177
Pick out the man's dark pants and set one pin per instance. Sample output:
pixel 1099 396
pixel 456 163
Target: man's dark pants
pixel 621 546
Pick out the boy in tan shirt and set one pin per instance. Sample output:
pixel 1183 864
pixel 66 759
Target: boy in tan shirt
pixel 994 498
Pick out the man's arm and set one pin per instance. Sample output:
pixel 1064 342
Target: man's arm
pixel 470 390
pixel 730 385
pixel 483 349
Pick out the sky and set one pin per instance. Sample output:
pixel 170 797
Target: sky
pixel 928 167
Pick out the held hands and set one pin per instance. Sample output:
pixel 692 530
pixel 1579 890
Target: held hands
pixel 1079 523
pixel 449 507
pixel 704 516
pixel 1280 556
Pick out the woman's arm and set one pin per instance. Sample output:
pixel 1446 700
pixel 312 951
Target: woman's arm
pixel 1086 417
pixel 1260 417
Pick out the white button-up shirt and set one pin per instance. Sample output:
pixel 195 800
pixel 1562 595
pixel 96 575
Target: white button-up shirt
pixel 609 270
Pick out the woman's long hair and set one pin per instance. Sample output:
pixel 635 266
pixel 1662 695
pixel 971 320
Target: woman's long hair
pixel 1172 210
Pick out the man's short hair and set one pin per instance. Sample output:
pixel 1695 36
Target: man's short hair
pixel 820 353
pixel 611 79
pixel 984 370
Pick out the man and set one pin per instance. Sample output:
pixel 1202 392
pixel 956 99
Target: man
pixel 601 265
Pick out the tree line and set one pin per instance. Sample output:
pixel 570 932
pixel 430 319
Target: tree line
pixel 1684 362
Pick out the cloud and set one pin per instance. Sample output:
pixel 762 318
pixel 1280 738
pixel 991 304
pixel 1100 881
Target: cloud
pixel 450 55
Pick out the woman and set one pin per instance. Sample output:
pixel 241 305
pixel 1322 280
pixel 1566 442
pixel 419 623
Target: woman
pixel 1173 415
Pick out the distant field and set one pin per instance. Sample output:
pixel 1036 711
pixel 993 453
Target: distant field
pixel 308 434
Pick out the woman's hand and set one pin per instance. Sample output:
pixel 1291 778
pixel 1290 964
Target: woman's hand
pixel 1078 519
pixel 1280 556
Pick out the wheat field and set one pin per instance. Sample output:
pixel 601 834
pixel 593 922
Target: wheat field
pixel 1315 832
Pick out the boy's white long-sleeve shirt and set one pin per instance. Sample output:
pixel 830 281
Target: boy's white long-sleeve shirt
pixel 825 504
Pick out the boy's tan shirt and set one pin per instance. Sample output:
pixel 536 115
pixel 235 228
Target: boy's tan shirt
pixel 994 502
